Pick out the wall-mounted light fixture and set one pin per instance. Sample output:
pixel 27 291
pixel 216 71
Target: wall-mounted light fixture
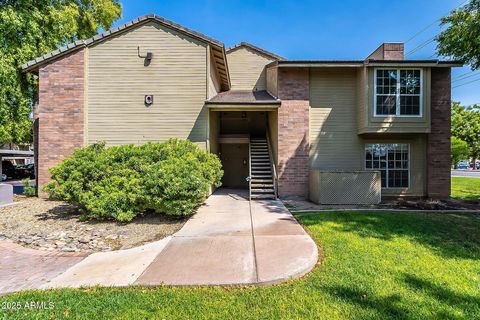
pixel 148 56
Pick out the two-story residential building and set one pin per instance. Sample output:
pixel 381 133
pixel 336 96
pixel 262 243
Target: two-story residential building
pixel 279 126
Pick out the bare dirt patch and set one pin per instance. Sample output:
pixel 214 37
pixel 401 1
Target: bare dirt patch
pixel 56 226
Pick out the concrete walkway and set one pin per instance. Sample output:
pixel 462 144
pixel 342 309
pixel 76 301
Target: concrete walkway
pixel 230 240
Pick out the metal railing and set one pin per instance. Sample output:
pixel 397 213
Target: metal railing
pixel 249 178
pixel 272 161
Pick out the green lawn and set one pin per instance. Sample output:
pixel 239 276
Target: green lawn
pixel 376 265
pixel 466 188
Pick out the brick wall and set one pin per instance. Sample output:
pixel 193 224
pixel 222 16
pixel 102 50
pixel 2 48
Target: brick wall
pixel 438 142
pixel 293 139
pixel 60 111
pixel 388 51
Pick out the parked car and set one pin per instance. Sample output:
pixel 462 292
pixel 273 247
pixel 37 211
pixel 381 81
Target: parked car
pixel 26 171
pixel 463 165
pixel 8 169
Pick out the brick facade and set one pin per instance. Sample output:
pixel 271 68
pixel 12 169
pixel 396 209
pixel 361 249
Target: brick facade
pixel 438 142
pixel 293 139
pixel 388 51
pixel 60 112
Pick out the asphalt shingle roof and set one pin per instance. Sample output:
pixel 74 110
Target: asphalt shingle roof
pixel 243 97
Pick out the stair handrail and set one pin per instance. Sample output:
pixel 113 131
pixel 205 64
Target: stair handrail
pixel 249 168
pixel 272 161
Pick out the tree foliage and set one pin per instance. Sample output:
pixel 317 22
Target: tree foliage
pixel 459 150
pixel 31 28
pixel 461 39
pixel 466 127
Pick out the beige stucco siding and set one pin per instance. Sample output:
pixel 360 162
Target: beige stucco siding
pixel 118 82
pixel 247 69
pixel 272 81
pixel 214 85
pixel 362 98
pixel 334 141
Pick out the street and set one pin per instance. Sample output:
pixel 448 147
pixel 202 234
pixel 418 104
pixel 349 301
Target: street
pixel 466 173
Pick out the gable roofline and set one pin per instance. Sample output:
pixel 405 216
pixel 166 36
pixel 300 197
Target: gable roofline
pixel 35 63
pixel 257 49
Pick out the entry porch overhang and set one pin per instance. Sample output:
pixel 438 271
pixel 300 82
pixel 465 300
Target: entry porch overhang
pixel 243 100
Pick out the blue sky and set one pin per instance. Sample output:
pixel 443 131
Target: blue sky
pixel 315 29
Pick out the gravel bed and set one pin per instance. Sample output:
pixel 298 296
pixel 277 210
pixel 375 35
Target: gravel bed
pixel 56 226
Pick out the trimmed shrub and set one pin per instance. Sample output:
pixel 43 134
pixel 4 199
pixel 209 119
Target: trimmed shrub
pixel 120 182
pixel 28 190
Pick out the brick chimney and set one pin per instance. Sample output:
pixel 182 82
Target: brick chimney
pixel 388 51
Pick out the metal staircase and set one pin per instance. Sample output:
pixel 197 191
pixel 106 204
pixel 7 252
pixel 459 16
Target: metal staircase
pixel 262 171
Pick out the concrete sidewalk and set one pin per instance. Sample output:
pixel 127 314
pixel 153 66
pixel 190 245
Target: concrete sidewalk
pixel 234 241
pixel 230 240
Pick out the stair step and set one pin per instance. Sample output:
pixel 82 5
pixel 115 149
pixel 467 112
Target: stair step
pixel 262 196
pixel 262 185
pixel 255 181
pixel 255 171
pixel 262 189
pixel 262 192
pixel 262 176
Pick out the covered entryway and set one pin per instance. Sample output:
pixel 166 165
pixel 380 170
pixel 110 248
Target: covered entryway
pixel 244 136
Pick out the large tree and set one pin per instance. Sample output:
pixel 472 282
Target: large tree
pixel 459 150
pixel 466 127
pixel 461 39
pixel 31 28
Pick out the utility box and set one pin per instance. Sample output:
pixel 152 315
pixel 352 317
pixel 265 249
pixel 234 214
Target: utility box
pixel 6 194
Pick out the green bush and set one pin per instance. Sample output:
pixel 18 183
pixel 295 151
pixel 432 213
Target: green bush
pixel 28 190
pixel 120 182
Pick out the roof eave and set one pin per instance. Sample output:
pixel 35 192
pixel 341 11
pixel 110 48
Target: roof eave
pixel 415 63
pixel 359 63
pixel 35 63
pixel 242 102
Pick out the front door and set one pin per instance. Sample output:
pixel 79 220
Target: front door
pixel 235 165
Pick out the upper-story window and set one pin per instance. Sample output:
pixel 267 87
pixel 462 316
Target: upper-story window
pixel 398 92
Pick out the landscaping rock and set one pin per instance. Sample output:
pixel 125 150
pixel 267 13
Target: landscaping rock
pixel 27 240
pixel 56 226
pixel 84 239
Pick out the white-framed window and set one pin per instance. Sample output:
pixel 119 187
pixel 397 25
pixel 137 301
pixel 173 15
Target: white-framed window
pixel 392 160
pixel 398 92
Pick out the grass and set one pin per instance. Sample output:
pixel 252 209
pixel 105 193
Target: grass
pixel 376 265
pixel 466 188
